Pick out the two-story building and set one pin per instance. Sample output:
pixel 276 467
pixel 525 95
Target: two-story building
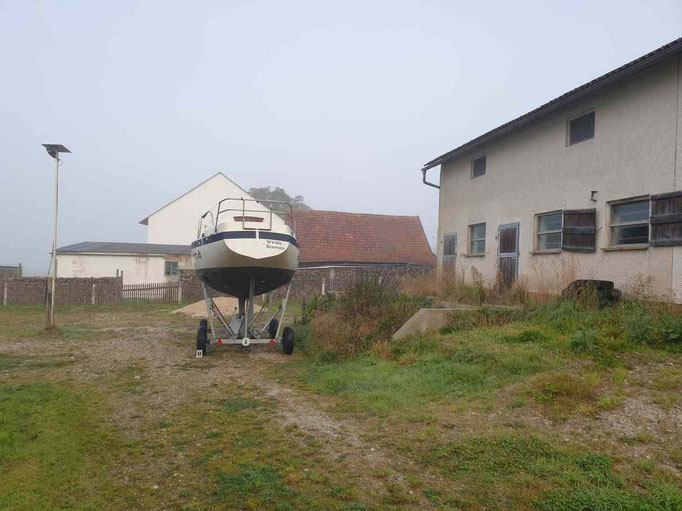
pixel 585 186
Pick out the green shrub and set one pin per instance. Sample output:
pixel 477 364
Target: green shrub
pixel 585 340
pixel 312 306
pixel 670 329
pixel 370 310
pixel 638 326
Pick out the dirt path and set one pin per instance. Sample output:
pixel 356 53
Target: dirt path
pixel 172 377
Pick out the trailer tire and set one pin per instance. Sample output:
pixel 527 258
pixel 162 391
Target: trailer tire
pixel 288 341
pixel 202 336
pixel 272 328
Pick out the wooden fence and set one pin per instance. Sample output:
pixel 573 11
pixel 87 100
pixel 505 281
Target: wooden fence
pixel 153 292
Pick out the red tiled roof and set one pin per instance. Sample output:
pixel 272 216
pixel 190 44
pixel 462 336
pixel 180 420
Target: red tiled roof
pixel 336 237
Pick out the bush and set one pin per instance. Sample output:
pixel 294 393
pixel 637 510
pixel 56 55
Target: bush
pixel 370 310
pixel 638 326
pixel 670 329
pixel 312 306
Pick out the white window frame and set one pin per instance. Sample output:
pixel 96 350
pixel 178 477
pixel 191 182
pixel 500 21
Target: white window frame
pixel 568 128
pixel 536 237
pixel 610 205
pixel 472 165
pixel 471 240
pixel 170 273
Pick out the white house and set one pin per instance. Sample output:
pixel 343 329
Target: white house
pixel 176 223
pixel 585 186
pixel 170 231
pixel 138 263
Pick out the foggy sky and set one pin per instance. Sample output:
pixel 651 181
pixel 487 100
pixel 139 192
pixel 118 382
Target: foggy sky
pixel 341 102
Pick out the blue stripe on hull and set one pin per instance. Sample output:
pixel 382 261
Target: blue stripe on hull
pixel 264 235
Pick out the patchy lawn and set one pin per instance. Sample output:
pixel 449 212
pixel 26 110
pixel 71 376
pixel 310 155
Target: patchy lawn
pixel 112 411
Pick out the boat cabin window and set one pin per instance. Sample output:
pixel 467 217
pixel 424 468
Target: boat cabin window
pixel 248 219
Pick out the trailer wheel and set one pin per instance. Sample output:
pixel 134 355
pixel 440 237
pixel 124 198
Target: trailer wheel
pixel 202 336
pixel 288 341
pixel 272 328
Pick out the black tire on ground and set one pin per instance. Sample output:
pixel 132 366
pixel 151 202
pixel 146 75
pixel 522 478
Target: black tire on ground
pixel 272 328
pixel 202 336
pixel 288 341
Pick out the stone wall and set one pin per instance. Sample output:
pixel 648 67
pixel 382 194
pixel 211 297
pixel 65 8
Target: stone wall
pixel 68 290
pixel 309 282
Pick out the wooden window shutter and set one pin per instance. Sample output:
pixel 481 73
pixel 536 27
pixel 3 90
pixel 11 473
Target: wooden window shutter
pixel 666 219
pixel 579 231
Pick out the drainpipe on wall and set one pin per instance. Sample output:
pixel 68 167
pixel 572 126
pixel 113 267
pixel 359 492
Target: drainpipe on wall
pixel 426 182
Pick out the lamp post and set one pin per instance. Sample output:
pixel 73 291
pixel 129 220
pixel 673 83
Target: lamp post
pixel 54 150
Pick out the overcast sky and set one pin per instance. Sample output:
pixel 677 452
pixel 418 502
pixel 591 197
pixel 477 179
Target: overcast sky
pixel 341 102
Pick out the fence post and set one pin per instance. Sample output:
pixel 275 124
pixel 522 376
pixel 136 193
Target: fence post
pixel 179 291
pixel 4 295
pixel 92 299
pixel 323 281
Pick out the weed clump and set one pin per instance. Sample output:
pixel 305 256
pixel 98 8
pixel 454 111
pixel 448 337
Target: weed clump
pixel 670 330
pixel 480 318
pixel 585 340
pixel 638 326
pixel 370 310
pixel 527 336
pixel 317 304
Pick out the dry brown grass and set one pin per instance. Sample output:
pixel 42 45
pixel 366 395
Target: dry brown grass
pixel 425 284
pixel 560 393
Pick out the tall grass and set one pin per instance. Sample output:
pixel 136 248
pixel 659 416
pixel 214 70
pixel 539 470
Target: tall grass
pixel 371 309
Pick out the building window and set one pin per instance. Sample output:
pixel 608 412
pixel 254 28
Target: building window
pixel 581 128
pixel 630 223
pixel 449 245
pixel 477 239
pixel 171 268
pixel 548 231
pixel 478 167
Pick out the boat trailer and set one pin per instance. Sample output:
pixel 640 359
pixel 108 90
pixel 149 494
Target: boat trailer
pixel 245 327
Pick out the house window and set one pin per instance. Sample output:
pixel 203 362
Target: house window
pixel 581 128
pixel 477 239
pixel 630 223
pixel 171 268
pixel 478 167
pixel 449 245
pixel 548 231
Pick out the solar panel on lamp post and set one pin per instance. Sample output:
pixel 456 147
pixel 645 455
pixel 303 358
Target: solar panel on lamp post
pixel 54 150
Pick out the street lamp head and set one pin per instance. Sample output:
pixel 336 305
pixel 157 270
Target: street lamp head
pixel 54 149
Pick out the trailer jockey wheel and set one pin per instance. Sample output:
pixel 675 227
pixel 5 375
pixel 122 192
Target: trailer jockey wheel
pixel 288 341
pixel 202 336
pixel 272 328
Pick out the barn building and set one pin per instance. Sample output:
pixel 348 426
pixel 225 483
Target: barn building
pixel 588 185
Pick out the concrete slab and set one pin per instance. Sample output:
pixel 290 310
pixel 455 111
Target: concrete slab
pixel 436 318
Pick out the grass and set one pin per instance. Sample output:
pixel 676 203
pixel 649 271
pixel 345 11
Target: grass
pixel 501 410
pixel 417 372
pixel 109 438
pixel 50 440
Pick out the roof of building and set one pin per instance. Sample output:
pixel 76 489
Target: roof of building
pixel 569 97
pixel 106 247
pixel 323 236
pixel 145 220
pixel 337 237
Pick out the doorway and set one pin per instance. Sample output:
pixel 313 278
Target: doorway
pixel 507 254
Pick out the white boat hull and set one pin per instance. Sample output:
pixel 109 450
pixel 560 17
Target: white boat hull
pixel 226 261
